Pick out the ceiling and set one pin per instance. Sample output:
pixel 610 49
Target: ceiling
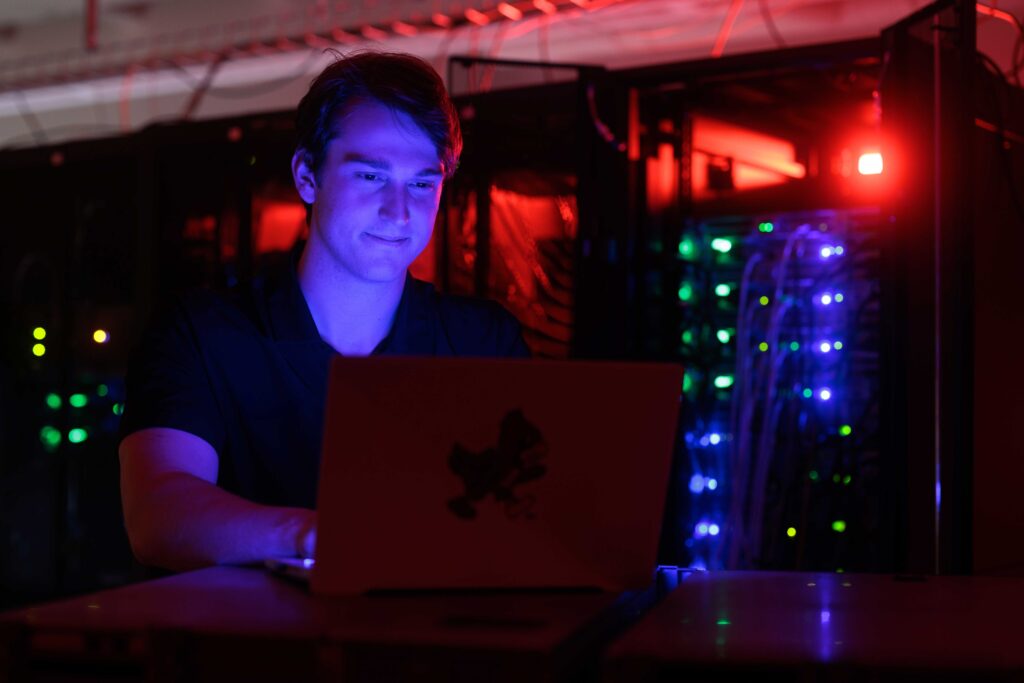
pixel 151 54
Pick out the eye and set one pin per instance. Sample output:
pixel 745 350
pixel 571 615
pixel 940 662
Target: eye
pixel 423 185
pixel 369 177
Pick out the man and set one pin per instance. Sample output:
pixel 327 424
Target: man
pixel 225 400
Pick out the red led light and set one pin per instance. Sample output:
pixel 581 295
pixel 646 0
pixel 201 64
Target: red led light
pixel 869 163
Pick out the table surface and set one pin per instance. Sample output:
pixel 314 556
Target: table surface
pixel 870 621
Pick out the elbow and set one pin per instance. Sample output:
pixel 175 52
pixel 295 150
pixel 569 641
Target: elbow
pixel 154 544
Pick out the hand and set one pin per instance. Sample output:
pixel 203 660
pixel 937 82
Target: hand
pixel 305 543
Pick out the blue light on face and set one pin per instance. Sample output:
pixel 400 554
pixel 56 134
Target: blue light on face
pixel 696 483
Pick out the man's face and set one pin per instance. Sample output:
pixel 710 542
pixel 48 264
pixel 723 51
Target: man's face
pixel 376 195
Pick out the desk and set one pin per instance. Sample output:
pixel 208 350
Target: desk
pixel 727 626
pixel 230 623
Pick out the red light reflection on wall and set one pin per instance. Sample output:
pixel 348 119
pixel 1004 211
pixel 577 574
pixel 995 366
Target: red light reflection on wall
pixel 278 225
pixel 757 160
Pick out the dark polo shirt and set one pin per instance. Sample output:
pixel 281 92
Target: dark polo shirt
pixel 246 371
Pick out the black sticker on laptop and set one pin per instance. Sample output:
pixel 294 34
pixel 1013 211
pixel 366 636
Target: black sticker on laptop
pixel 501 471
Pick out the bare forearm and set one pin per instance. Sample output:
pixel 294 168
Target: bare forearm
pixel 186 522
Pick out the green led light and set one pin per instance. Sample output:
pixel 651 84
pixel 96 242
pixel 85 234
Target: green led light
pixel 118 409
pixel 845 430
pixel 688 337
pixel 763 346
pixel 791 532
pixel 38 350
pixel 765 227
pixel 723 336
pixel 687 248
pixel 102 390
pixel 724 381
pixel 838 298
pixel 39 334
pixel 78 400
pixel 808 392
pixel 53 401
pixel 835 478
pixel 723 290
pixel 723 622
pixel 813 475
pixel 721 245
pixel 838 346
pixel 794 346
pixel 686 292
pixel 50 437
pixel 839 526
pixel 77 435
pixel 764 300
pixel 847 479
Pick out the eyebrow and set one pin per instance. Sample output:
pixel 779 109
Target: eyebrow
pixel 383 165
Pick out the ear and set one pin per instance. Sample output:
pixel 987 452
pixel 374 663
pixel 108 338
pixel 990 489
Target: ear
pixel 302 174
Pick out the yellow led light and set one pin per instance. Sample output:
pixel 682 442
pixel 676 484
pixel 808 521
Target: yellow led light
pixel 100 336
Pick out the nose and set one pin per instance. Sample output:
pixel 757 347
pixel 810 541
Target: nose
pixel 394 206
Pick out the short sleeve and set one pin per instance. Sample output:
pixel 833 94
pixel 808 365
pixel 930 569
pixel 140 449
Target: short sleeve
pixel 168 383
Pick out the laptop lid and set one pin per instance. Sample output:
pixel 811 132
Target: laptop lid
pixel 483 473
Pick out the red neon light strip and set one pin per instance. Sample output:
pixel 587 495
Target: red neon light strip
pixel 723 33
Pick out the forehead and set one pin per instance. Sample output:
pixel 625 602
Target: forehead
pixel 371 129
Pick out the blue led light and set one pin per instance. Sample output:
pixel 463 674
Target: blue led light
pixel 712 484
pixel 702 529
pixel 696 483
pixel 825 394
pixel 825 347
pixel 826 299
pixel 713 529
pixel 827 252
pixel 715 439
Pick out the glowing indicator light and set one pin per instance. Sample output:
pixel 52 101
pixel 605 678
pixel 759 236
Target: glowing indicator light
pixel 813 475
pixel 826 616
pixel 688 337
pixel 687 383
pixel 696 483
pixel 100 336
pixel 38 350
pixel 78 400
pixel 847 479
pixel 791 532
pixel 53 401
pixel 827 252
pixel 102 390
pixel 686 292
pixel 77 435
pixel 39 333
pixel 836 478
pixel 794 346
pixel 724 381
pixel 765 227
pixel 825 347
pixel 713 529
pixel 721 245
pixel 50 437
pixel 839 298
pixel 845 430
pixel 702 529
pixel 870 163
pixel 715 439
pixel 712 484
pixel 723 622
pixel 763 346
pixel 724 336
pixel 808 392
pixel 723 290
pixel 825 394
pixel 839 251
pixel 826 299
pixel 838 346
pixel 839 526
pixel 687 248
pixel 510 12
pixel 117 409
pixel 763 300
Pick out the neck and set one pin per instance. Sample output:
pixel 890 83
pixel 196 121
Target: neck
pixel 351 315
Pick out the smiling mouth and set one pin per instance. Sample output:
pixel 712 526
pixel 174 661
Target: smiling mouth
pixel 386 240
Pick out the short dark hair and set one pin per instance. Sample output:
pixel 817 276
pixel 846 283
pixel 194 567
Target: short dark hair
pixel 400 81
